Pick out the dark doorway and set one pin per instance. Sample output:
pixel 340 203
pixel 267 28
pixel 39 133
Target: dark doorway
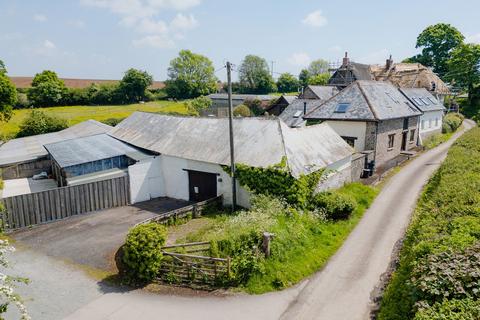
pixel 404 140
pixel 202 185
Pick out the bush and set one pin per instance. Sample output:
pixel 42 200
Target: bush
pixel 113 121
pixel 336 205
pixel 466 309
pixel 241 111
pixel 38 122
pixel 22 101
pixel 195 106
pixel 451 122
pixel 142 251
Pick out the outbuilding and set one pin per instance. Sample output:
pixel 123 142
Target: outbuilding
pixel 192 153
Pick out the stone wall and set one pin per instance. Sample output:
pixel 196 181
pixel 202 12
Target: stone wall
pixel 26 170
pixel 335 180
pixel 370 136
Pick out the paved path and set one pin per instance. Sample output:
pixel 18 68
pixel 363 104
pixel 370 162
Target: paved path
pixel 340 291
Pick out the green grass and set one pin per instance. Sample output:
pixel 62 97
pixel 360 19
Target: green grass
pixel 436 139
pixel 447 218
pixel 302 244
pixel 76 114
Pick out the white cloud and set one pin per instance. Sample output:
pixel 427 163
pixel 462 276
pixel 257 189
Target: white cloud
pixel 315 19
pixel 47 48
pixel 77 23
pixel 141 16
pixel 155 41
pixel 300 59
pixel 40 17
pixel 47 44
pixel 183 22
pixel 474 38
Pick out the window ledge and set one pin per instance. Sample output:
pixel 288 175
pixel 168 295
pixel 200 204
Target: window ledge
pixel 390 149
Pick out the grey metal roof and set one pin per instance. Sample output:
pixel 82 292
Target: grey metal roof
pixel 87 149
pixel 369 101
pixel 323 92
pixel 31 148
pixel 414 93
pixel 224 96
pixel 259 142
pixel 288 116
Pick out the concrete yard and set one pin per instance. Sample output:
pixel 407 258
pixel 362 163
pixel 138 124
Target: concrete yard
pixel 17 187
pixel 92 239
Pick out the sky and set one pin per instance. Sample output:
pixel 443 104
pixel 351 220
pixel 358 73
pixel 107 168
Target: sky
pixel 101 39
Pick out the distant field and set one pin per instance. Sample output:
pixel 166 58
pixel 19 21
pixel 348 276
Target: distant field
pixel 76 114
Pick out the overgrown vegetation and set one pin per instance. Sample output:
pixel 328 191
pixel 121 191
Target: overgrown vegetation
pixel 39 122
pixel 451 122
pixel 439 271
pixel 142 253
pixel 241 111
pixel 303 240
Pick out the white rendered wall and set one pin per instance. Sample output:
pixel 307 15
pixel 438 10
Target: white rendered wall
pixel 428 120
pixel 351 129
pixel 146 180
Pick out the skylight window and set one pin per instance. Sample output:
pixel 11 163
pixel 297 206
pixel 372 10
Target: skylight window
pixel 432 100
pixel 297 114
pixel 342 107
pixel 424 101
pixel 418 102
pixel 391 97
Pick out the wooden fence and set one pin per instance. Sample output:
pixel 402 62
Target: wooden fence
pixel 51 205
pixel 195 210
pixel 190 269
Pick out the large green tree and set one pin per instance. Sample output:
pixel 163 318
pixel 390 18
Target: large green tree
pixel 8 94
pixel 303 77
pixel 464 67
pixel 437 43
pixel 47 89
pixel 317 67
pixel 255 76
pixel 190 75
pixel 319 79
pixel 287 83
pixel 134 84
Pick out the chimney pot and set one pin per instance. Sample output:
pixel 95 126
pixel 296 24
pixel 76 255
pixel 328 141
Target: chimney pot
pixel 346 60
pixel 389 63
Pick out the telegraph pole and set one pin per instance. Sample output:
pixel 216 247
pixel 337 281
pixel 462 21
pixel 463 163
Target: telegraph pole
pixel 232 146
pixel 272 67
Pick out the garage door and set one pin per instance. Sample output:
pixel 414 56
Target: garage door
pixel 202 185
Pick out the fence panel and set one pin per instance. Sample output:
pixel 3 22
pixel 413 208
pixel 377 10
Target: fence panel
pixel 46 206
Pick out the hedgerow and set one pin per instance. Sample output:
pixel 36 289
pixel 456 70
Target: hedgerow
pixel 439 258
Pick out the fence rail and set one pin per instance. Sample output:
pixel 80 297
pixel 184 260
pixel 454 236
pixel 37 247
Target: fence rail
pixel 191 270
pixel 47 206
pixel 195 209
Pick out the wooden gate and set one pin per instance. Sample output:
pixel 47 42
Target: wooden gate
pixel 47 206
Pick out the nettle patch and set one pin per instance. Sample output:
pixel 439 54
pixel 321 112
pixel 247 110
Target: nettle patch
pixel 277 181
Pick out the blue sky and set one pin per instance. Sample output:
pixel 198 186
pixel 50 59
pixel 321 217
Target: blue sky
pixel 102 38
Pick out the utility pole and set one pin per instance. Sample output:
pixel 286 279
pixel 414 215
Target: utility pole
pixel 272 66
pixel 232 146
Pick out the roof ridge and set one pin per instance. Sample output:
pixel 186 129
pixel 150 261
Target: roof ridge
pixel 374 112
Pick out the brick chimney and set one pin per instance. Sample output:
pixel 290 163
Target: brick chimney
pixel 346 60
pixel 389 63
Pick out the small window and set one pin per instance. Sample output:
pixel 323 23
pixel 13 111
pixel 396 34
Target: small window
pixel 391 97
pixel 436 122
pixel 391 141
pixel 418 102
pixel 412 135
pixel 342 107
pixel 423 124
pixel 430 123
pixel 350 141
pixel 425 101
pixel 297 114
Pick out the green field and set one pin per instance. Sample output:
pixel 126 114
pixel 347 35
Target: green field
pixel 76 114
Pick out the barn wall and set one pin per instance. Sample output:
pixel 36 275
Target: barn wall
pixel 351 129
pixel 337 174
pixel 146 180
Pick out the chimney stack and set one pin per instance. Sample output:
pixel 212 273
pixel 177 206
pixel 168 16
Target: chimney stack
pixel 389 63
pixel 304 107
pixel 346 60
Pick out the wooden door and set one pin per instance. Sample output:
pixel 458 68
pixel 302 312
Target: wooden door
pixel 202 185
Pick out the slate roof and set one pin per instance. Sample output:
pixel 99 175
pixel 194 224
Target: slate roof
pixel 259 142
pixel 292 116
pixel 87 149
pixel 323 92
pixel 31 148
pixel 368 101
pixel 427 103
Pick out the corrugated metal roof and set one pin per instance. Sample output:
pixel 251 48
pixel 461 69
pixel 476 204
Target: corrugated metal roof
pixel 87 149
pixel 431 103
pixel 368 101
pixel 224 96
pixel 258 142
pixel 31 148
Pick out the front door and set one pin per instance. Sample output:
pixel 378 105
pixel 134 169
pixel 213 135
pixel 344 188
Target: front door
pixel 404 140
pixel 202 185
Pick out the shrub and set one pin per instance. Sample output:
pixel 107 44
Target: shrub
pixel 22 101
pixel 452 120
pixel 198 104
pixel 336 205
pixel 465 309
pixel 113 121
pixel 446 128
pixel 38 122
pixel 142 251
pixel 255 106
pixel 241 111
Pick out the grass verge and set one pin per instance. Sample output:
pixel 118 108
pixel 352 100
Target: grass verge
pixel 433 278
pixel 76 114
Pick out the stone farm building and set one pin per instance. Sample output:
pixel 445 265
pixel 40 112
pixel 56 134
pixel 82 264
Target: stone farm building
pixel 371 116
pixel 219 106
